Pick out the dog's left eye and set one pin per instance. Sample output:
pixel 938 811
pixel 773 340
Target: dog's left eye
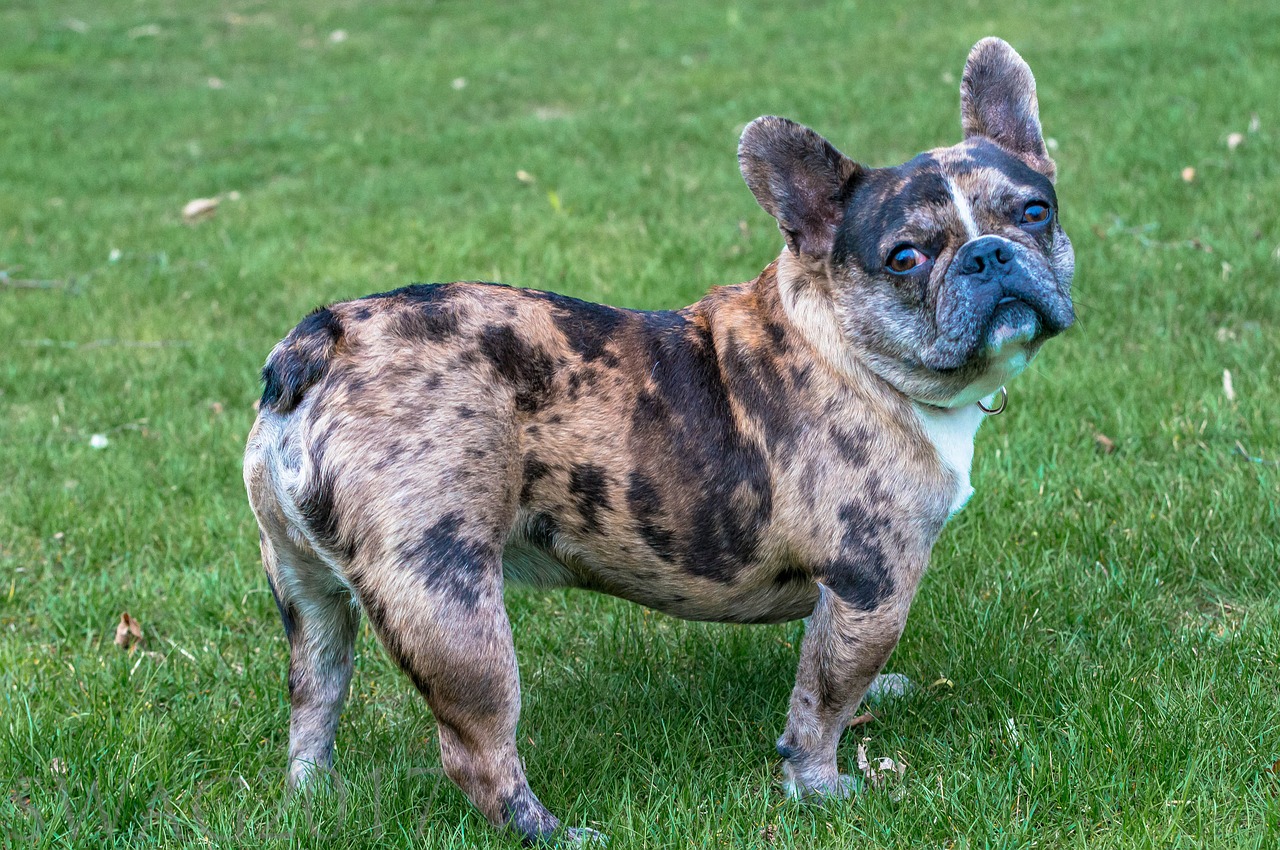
pixel 905 258
pixel 1035 213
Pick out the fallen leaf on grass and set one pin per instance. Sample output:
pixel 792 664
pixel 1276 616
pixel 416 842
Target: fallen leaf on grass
pixel 1105 443
pixel 525 177
pixel 58 766
pixel 883 770
pixel 128 632
pixel 1228 389
pixel 99 441
pixel 1234 140
pixel 199 209
pixel 1188 174
pixel 769 833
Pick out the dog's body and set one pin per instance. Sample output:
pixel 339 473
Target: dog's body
pixel 784 448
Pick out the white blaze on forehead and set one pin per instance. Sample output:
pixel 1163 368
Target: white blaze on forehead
pixel 963 208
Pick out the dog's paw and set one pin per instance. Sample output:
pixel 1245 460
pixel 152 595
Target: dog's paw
pixel 581 836
pixel 888 686
pixel 842 787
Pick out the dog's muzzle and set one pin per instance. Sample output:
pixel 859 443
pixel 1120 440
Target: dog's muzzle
pixel 996 293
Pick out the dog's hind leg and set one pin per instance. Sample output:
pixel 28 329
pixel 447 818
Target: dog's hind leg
pixel 320 621
pixel 436 603
pixel 319 615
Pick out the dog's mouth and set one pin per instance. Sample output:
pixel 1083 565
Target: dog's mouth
pixel 1013 322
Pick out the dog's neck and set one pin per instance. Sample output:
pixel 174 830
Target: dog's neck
pixel 802 289
pixel 803 292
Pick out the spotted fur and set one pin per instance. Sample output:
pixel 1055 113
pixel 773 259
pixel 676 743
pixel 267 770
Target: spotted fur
pixel 788 447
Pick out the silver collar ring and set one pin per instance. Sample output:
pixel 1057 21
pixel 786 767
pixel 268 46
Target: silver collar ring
pixel 1000 404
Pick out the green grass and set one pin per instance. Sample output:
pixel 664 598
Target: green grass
pixel 1120 610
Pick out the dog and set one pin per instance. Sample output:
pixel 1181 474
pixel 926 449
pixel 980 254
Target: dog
pixel 785 448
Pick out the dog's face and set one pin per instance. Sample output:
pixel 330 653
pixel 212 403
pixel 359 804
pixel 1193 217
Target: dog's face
pixel 946 274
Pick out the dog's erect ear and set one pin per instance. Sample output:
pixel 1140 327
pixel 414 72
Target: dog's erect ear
pixel 799 179
pixel 998 102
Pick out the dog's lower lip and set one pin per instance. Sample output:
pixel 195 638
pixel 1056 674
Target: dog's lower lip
pixel 1008 299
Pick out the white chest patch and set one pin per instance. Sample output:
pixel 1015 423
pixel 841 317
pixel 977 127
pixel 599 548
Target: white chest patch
pixel 952 432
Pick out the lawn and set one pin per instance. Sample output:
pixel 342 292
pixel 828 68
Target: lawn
pixel 1096 645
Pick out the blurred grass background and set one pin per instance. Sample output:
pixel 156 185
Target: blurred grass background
pixel 1101 628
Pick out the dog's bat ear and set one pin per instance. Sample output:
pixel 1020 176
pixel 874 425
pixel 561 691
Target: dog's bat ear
pixel 998 102
pixel 799 179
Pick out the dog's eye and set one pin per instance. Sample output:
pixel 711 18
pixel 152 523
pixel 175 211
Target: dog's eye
pixel 905 258
pixel 1036 213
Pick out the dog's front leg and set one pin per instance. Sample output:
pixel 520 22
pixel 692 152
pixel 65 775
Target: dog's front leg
pixel 844 648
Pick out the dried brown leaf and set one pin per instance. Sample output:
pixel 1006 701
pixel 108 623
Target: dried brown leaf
pixel 128 632
pixel 882 771
pixel 1105 443
pixel 860 720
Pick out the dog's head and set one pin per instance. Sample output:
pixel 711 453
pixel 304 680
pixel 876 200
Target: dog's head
pixel 945 274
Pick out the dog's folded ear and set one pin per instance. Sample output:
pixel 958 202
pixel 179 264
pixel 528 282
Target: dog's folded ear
pixel 998 102
pixel 799 179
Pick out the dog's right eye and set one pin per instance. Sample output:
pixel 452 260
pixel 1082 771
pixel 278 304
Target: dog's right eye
pixel 905 258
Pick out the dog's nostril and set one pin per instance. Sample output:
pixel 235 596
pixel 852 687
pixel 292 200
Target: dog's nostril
pixel 1003 254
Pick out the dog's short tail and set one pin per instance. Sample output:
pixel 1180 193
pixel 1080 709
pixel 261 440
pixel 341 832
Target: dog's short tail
pixel 300 360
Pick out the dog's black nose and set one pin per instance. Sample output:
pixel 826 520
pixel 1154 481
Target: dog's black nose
pixel 984 255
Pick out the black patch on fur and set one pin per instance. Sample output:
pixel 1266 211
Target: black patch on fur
pixel 579 379
pixel 529 370
pixel 300 361
pixel 683 435
pixel 757 383
pixel 791 575
pixel 777 336
pixel 854 446
pixel 450 562
pixel 646 505
pixel 424 321
pixel 590 490
pixel 861 575
pixel 464 412
pixel 587 327
pixel 287 615
pixel 317 509
pixel 541 531
pixel 534 471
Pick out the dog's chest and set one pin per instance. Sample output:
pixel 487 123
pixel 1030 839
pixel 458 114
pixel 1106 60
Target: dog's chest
pixel 952 433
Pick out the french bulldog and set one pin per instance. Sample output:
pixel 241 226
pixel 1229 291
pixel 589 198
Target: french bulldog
pixel 785 448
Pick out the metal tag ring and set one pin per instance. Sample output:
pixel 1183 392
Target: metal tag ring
pixel 1000 405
